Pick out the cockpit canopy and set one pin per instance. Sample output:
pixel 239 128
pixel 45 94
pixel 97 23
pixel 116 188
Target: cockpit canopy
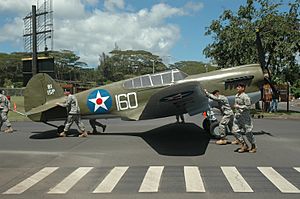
pixel 157 79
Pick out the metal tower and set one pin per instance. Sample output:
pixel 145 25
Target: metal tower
pixel 43 30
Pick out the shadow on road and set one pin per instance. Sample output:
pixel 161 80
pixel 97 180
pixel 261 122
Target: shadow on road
pixel 178 140
pixel 172 139
pixel 52 134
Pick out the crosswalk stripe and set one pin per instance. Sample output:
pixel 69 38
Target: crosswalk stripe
pixel 67 183
pixel 236 180
pixel 32 180
pixel 297 168
pixel 280 182
pixel 193 180
pixel 152 179
pixel 111 180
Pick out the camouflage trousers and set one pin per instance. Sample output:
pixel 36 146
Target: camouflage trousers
pixel 225 124
pixel 74 118
pixel 4 119
pixel 243 123
pixel 94 123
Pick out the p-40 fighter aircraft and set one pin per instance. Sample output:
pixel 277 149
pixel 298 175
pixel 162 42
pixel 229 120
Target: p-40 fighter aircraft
pixel 144 97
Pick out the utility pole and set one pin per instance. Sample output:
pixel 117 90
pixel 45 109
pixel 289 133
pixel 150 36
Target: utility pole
pixel 34 42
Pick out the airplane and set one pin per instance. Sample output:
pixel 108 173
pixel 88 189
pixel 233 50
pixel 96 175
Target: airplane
pixel 150 96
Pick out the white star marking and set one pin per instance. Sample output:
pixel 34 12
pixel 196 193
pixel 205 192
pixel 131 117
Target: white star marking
pixel 99 101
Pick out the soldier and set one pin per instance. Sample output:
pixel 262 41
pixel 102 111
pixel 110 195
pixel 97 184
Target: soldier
pixel 73 115
pixel 4 109
pixel 94 123
pixel 242 120
pixel 226 111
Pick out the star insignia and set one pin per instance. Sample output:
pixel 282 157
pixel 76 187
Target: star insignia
pixel 99 101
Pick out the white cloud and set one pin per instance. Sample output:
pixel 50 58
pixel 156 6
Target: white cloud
pixel 92 2
pixel 112 5
pixel 12 31
pixel 91 32
pixel 194 6
pixel 16 6
pixel 68 9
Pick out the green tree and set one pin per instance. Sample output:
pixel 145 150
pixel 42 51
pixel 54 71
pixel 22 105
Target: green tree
pixel 123 64
pixel 234 37
pixel 11 68
pixel 193 67
pixel 65 62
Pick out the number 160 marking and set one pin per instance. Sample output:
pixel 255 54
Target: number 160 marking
pixel 126 101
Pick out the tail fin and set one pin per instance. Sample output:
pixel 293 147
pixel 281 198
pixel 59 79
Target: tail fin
pixel 40 89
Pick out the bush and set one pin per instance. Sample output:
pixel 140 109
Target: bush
pixel 295 91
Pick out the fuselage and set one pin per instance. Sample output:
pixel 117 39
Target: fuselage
pixel 137 98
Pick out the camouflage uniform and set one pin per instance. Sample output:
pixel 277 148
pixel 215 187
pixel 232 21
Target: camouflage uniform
pixel 4 109
pixel 94 123
pixel 242 118
pixel 73 113
pixel 226 111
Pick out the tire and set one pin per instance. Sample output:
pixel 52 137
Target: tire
pixel 214 129
pixel 206 125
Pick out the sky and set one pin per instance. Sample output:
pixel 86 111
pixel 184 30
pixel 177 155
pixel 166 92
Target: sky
pixel 171 29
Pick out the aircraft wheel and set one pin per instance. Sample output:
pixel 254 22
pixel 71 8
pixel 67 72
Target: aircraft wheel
pixel 206 124
pixel 60 129
pixel 214 129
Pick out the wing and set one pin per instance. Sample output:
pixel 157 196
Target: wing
pixel 188 97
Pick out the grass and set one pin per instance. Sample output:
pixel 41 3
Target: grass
pixel 281 114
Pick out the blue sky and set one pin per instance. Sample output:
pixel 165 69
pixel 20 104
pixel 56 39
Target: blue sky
pixel 172 29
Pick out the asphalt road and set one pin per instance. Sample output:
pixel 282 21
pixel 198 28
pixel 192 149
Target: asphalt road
pixel 146 159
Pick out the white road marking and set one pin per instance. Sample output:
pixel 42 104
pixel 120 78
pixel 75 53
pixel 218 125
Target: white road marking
pixel 111 180
pixel 32 180
pixel 280 182
pixel 297 168
pixel 236 180
pixel 67 183
pixel 152 179
pixel 193 180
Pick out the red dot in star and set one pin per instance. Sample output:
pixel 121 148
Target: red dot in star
pixel 99 101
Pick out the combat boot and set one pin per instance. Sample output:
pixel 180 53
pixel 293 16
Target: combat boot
pixel 9 130
pixel 94 131
pixel 83 134
pixel 62 134
pixel 253 149
pixel 221 142
pixel 236 142
pixel 244 148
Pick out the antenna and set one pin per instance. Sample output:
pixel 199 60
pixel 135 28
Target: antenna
pixel 44 28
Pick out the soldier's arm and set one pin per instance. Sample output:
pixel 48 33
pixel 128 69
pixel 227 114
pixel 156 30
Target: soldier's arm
pixel 1 102
pixel 67 102
pixel 211 96
pixel 246 105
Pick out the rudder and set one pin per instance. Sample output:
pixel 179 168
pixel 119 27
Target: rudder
pixel 40 89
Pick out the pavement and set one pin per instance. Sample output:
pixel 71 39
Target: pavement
pixel 146 159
